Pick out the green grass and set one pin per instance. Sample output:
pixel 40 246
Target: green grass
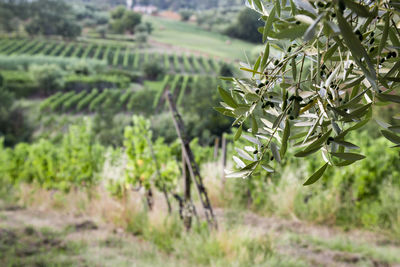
pixel 387 254
pixel 190 36
pixel 32 247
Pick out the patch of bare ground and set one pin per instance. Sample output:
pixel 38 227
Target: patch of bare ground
pixel 296 239
pixel 102 245
pixel 293 239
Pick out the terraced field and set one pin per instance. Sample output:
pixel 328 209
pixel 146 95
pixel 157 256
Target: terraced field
pixel 122 100
pixel 115 56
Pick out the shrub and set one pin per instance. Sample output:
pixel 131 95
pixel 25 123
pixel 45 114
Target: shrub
pixel 13 125
pixel 141 28
pixel 152 70
pixel 141 39
pixel 149 27
pixel 185 14
pixel 225 70
pixel 48 77
pixel 20 83
pixel 141 102
pixel 73 163
pixel 81 68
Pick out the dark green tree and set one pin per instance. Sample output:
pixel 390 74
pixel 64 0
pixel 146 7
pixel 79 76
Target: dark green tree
pixel 131 20
pixel 13 124
pixel 52 17
pixel 246 26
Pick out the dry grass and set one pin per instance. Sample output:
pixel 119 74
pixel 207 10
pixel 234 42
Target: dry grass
pixel 98 204
pixel 216 188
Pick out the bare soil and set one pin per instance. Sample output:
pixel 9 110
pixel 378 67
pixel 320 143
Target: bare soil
pixel 291 238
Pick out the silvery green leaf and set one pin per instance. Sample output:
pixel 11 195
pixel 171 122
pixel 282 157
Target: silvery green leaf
pixel 317 175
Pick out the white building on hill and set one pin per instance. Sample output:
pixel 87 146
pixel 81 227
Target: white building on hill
pixel 129 4
pixel 149 10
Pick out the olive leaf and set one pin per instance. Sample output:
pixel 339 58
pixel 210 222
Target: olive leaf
pixel 316 176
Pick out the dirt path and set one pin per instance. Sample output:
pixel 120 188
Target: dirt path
pixel 321 245
pixel 36 238
pixel 55 238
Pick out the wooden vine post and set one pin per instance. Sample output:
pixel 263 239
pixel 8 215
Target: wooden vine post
pixel 223 159
pixel 216 148
pixel 159 174
pixel 187 207
pixel 191 165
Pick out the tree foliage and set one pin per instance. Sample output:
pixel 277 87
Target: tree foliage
pixel 12 13
pixel 123 20
pixel 14 127
pixel 152 70
pixel 325 67
pixel 49 77
pixel 46 18
pixel 73 163
pixel 246 26
pixel 144 156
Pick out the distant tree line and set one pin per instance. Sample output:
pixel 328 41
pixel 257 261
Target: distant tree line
pixel 41 17
pixel 191 4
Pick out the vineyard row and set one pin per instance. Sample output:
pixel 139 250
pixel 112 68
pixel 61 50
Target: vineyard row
pixel 123 57
pixel 122 100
